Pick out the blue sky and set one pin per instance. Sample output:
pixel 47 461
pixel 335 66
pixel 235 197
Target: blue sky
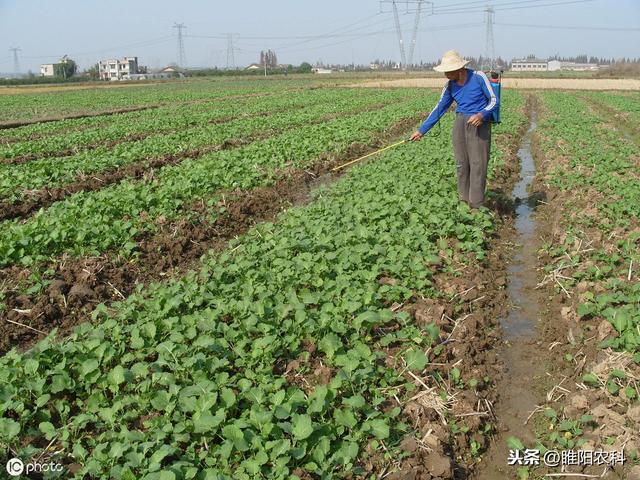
pixel 89 30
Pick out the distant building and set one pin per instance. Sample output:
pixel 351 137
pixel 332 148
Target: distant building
pixel 173 69
pixel 114 69
pixel 150 76
pixel 529 65
pixel 47 70
pixel 322 71
pixel 555 65
pixel 254 66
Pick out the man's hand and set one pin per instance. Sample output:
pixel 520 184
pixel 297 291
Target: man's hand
pixel 416 136
pixel 476 119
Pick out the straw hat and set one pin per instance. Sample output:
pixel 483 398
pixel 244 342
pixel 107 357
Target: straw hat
pixel 451 61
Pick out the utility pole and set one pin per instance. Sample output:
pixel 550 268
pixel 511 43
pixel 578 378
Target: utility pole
pixel 181 56
pixel 489 49
pixel 16 60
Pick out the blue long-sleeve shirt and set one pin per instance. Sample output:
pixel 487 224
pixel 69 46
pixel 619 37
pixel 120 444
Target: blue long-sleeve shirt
pixel 476 95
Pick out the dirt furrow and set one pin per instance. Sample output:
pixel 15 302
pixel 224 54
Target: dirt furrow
pixel 105 113
pixel 454 429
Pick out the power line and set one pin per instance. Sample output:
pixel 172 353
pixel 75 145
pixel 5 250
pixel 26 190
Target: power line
pixel 143 43
pixel 506 6
pixel 181 55
pixel 294 49
pixel 568 27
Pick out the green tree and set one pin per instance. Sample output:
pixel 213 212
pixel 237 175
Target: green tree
pixel 305 67
pixel 66 68
pixel 92 72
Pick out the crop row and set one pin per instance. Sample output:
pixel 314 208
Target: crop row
pixel 600 247
pixel 166 119
pixel 195 379
pixel 55 172
pixel 91 222
pixel 114 127
pixel 64 101
pixel 627 105
pixel 69 125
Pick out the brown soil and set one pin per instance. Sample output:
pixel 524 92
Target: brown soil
pixel 43 198
pixel 78 285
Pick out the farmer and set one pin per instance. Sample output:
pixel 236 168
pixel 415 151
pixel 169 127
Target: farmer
pixel 475 101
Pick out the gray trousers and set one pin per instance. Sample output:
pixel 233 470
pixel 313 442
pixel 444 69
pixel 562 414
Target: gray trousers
pixel 471 146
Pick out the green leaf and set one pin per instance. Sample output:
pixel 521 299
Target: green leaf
pixel 329 344
pixel 206 422
pixel 416 360
pixel 345 418
pixel 160 400
pixel 116 376
pixel 379 428
pixel 8 428
pixel 630 393
pixel 88 366
pixel 235 434
pixel 357 401
pixel 590 379
pixel 48 429
pixel 302 426
pixel 515 443
pixel 228 397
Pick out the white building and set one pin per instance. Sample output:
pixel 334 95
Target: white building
pixel 151 76
pixel 529 65
pixel 114 69
pixel 47 70
pixel 555 65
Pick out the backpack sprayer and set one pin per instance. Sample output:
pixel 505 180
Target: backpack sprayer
pixel 495 78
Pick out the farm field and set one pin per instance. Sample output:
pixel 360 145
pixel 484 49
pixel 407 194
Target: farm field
pixel 188 291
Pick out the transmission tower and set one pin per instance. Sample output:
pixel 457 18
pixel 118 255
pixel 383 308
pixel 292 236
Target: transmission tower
pixel 231 51
pixel 416 25
pixel 181 56
pixel 489 48
pixel 16 60
pixel 396 18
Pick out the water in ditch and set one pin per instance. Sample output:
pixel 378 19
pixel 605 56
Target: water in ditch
pixel 520 352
